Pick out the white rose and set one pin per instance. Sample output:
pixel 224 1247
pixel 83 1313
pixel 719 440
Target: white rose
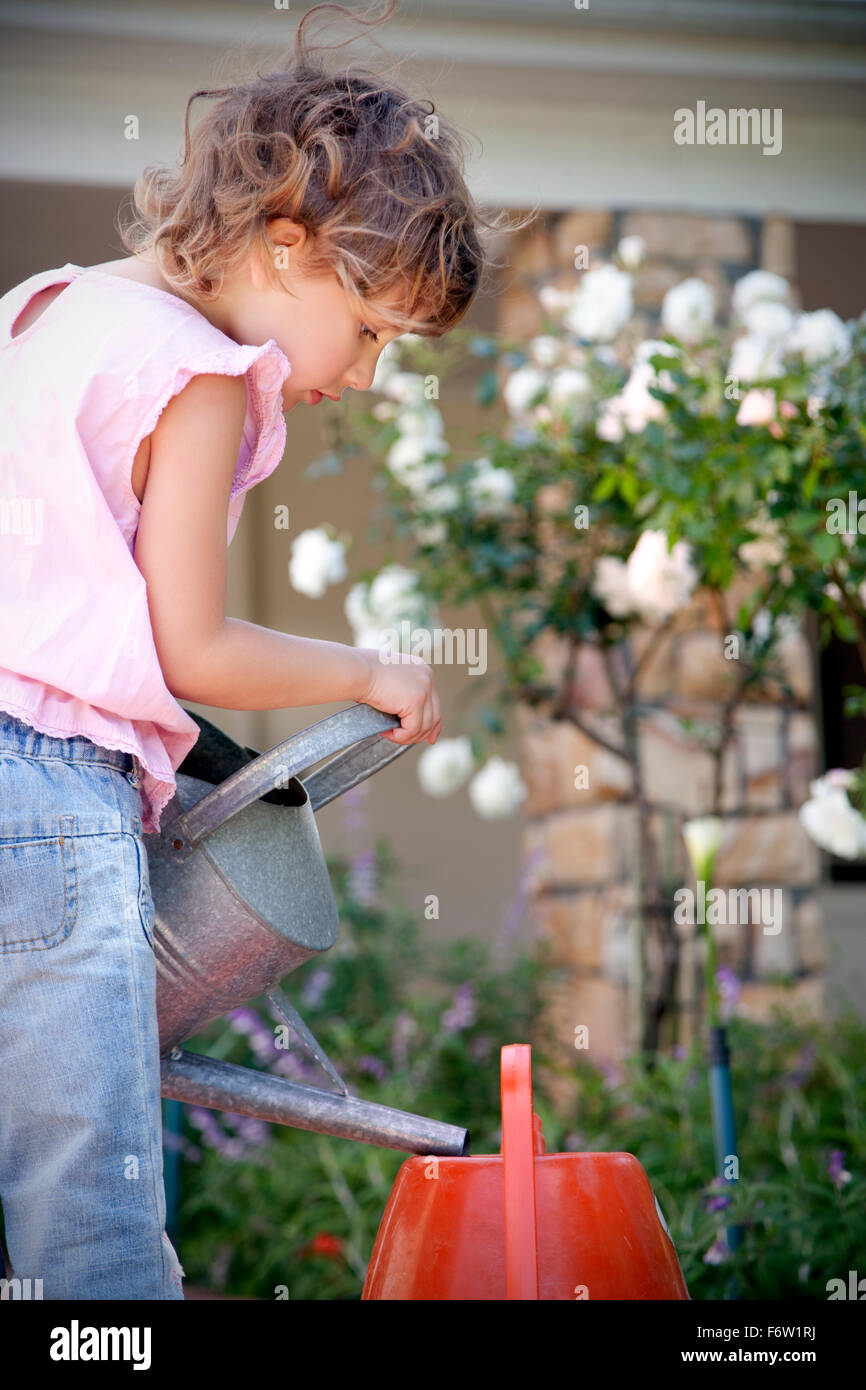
pixel 631 251
pixel 757 408
pixel 609 425
pixel 545 350
pixel 767 548
pixel 768 319
pixel 420 421
pixel 758 287
pixel 753 358
pixel 569 386
pixel 355 607
pixel 521 388
pixel 394 593
pixel 660 581
pixel 821 337
pixel 832 822
pixel 491 490
pixel 316 562
pixel 636 405
pixel 552 300
pixel 442 497
pixel 430 532
pixel 444 764
pixel 601 304
pixel 386 369
pixel 407 388
pixel 688 310
pixel 654 347
pixel 497 790
pixel 364 627
pixel 409 461
pixel 610 584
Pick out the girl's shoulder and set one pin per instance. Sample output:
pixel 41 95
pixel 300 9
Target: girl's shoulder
pixel 106 355
pixel 117 311
pixel 117 326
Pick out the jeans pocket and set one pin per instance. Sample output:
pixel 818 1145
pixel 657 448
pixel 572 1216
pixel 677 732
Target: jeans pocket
pixel 146 909
pixel 38 888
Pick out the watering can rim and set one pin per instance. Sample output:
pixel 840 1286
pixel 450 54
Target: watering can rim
pixel 351 731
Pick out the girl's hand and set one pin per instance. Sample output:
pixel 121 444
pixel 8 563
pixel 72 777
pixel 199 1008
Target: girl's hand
pixel 403 685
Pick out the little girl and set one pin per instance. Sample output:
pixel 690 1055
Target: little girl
pixel 315 216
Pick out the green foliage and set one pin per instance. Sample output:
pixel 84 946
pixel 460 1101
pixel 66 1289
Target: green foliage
pixel 394 1005
pixel 301 1210
pixel 798 1091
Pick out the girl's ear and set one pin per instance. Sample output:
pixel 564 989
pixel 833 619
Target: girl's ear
pixel 288 241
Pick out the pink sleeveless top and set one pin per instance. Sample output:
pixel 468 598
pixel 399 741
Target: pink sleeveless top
pixel 79 390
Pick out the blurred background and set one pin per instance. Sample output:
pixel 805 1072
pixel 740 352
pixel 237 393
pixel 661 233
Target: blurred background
pixel 570 110
pixel 563 107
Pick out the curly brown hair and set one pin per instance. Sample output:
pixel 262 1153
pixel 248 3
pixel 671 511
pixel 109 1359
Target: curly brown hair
pixel 373 175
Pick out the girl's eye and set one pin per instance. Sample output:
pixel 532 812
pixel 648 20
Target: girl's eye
pixel 368 332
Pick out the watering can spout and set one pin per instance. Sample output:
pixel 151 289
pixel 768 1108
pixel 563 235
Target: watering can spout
pixel 200 1080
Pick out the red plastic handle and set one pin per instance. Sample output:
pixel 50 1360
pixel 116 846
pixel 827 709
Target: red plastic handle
pixel 521 1139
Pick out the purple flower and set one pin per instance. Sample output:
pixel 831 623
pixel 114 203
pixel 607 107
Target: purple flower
pixel 678 1052
pixel 212 1134
pixel 250 1128
pixel 575 1142
pixel 718 1251
pixel 362 878
pixel 353 806
pixel 315 987
pixel 612 1073
pixel 719 1199
pixel 373 1067
pixel 462 1011
pixel 729 988
pixel 836 1168
pixel 261 1038
pixel 178 1143
pixel 805 1062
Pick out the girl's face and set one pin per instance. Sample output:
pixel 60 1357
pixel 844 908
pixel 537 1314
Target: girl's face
pixel 331 340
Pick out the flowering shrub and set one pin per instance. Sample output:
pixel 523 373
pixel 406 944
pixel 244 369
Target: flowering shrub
pixel 265 1207
pixel 830 816
pixel 629 476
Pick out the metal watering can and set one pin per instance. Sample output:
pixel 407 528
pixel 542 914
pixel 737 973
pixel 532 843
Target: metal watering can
pixel 242 897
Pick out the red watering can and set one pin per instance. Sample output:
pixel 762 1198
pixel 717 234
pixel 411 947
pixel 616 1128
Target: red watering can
pixel 523 1223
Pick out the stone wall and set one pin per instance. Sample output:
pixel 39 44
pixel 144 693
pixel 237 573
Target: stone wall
pixel 584 838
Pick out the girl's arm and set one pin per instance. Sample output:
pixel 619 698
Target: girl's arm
pixel 181 550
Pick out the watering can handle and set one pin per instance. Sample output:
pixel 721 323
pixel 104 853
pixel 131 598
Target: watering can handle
pixel 522 1139
pixel 358 725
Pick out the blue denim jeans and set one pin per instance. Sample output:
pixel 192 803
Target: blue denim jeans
pixel 81 1180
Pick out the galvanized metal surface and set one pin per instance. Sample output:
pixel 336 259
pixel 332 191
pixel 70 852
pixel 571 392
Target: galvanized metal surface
pixel 198 1080
pixel 244 909
pixel 285 1007
pixel 289 759
pixel 242 897
pixel 240 886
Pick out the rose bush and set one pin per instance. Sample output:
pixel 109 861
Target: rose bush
pixel 626 477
